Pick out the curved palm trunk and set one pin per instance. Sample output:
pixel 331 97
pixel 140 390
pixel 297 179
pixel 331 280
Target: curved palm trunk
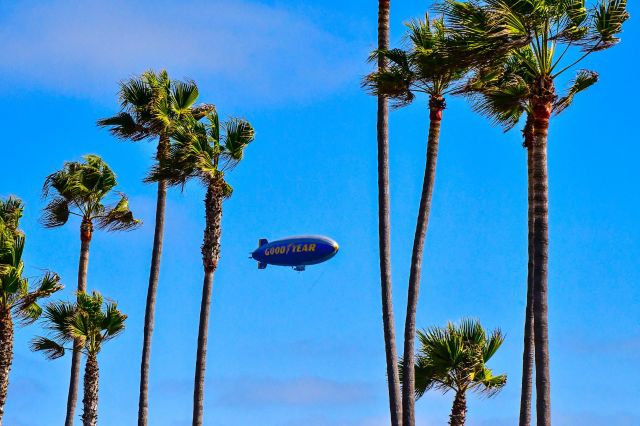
pixel 210 256
pixel 436 106
pixel 154 274
pixel 459 410
pixel 528 352
pixel 6 357
pixel 86 231
pixel 90 400
pixel 542 112
pixel 384 230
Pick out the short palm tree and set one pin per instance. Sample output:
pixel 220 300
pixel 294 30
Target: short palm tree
pixel 81 189
pixel 488 31
pixel 501 92
pixel 17 299
pixel 91 322
pixel 206 151
pixel 453 358
pixel 384 227
pixel 153 105
pixel 420 69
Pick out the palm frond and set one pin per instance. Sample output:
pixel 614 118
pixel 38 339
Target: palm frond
pixel 238 134
pixel 118 217
pixel 56 213
pixel 51 349
pixel 583 80
pixel 184 94
pixel 124 126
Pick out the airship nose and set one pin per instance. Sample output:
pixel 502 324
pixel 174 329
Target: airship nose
pixel 335 247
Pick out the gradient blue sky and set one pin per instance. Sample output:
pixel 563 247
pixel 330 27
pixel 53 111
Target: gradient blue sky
pixel 306 349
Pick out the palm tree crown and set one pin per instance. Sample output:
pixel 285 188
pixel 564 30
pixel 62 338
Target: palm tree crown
pixel 539 33
pixel 15 294
pixel 455 357
pixel 80 190
pixel 205 150
pixel 420 68
pixel 153 104
pixel 90 320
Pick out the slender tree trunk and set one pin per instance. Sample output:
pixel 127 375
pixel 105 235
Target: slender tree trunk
pixel 86 232
pixel 436 106
pixel 528 352
pixel 154 274
pixel 6 356
pixel 542 111
pixel 384 230
pixel 459 410
pixel 91 385
pixel 210 256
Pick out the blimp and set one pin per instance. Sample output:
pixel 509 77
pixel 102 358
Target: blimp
pixel 297 252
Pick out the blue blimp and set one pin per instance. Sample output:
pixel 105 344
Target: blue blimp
pixel 296 252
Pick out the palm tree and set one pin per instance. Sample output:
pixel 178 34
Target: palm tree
pixel 81 189
pixel 491 30
pixel 206 151
pixel 17 300
pixel 420 69
pixel 454 358
pixel 152 106
pixel 90 322
pixel 501 93
pixel 384 227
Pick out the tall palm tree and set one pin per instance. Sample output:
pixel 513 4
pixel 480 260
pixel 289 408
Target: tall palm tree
pixel 421 69
pixel 17 300
pixel 206 151
pixel 501 93
pixel 384 227
pixel 454 358
pixel 486 31
pixel 152 106
pixel 90 321
pixel 81 189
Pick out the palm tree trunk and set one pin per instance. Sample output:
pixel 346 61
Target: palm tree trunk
pixel 459 410
pixel 528 352
pixel 154 274
pixel 90 400
pixel 384 230
pixel 6 356
pixel 210 256
pixel 86 231
pixel 436 106
pixel 542 112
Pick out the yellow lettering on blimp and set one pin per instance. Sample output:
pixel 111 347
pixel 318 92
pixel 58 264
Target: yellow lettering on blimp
pixel 296 248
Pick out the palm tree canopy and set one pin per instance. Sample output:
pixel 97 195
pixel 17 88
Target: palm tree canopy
pixel 16 294
pixel 454 358
pixel 205 150
pixel 152 104
pixel 422 67
pixel 90 320
pixel 502 91
pixel 80 189
pixel 484 31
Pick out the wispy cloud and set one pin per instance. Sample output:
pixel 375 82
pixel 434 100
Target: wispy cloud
pixel 238 48
pixel 309 391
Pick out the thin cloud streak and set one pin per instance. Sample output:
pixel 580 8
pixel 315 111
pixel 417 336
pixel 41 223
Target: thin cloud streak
pixel 309 391
pixel 251 50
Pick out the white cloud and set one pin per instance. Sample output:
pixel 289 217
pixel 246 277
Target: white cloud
pixel 310 391
pixel 239 48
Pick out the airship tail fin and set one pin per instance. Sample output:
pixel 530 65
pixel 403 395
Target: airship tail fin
pixel 262 241
pixel 262 265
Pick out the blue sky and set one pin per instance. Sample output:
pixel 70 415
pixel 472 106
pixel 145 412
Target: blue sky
pixel 306 349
